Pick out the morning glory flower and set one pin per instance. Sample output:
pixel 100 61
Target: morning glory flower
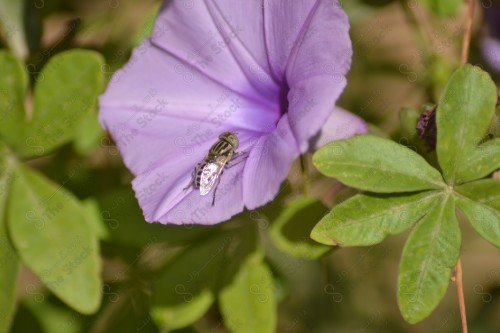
pixel 490 44
pixel 270 71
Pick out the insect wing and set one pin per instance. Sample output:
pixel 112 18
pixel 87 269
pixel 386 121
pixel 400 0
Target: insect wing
pixel 209 175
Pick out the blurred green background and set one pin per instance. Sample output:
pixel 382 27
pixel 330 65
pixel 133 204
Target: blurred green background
pixel 346 290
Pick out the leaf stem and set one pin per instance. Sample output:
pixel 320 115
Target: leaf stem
pixel 468 32
pixel 460 291
pixel 458 267
pixel 305 176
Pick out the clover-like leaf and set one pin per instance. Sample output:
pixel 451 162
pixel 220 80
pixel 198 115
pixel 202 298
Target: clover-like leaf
pixel 481 161
pixel 290 232
pixel 463 116
pixel 485 219
pixel 374 164
pixel 428 259
pixel 484 191
pixel 65 95
pixel 66 91
pixel 480 202
pixel 53 238
pixel 366 219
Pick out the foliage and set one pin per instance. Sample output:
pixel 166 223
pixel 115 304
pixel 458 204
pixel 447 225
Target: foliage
pixel 373 164
pixel 76 254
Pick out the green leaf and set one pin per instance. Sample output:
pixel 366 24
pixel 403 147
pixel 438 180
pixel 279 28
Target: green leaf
pixel 248 304
pixel 463 116
pixel 88 134
pixel 183 314
pixel 184 289
pixel 485 219
pixel 428 258
pixel 245 242
pixel 439 70
pixel 64 100
pixel 366 219
pixel 480 162
pixel 485 191
pixel 66 91
pixel 374 164
pixel 53 238
pixel 13 84
pixel 93 216
pixel 8 258
pixel 494 128
pixel 408 118
pixel 290 232
pixel 480 203
pixel 443 7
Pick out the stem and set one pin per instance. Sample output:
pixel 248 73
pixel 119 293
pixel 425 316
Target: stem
pixel 468 32
pixel 305 177
pixel 460 292
pixel 330 193
pixel 458 267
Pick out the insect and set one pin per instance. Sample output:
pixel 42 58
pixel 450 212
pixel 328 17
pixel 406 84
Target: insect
pixel 222 155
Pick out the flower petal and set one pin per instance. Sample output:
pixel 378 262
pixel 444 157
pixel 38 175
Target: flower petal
pixel 323 47
pixel 224 40
pixel 163 198
pixel 155 114
pixel 268 165
pixel 317 68
pixel 341 124
pixel 215 66
pixel 165 195
pixel 491 51
pixel 162 131
pixel 307 38
pixel 312 101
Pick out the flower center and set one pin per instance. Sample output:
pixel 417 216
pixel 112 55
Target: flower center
pixel 284 98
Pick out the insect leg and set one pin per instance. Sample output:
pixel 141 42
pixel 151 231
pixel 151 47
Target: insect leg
pixel 193 176
pixel 237 159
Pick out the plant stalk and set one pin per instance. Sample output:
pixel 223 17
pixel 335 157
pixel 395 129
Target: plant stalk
pixel 458 267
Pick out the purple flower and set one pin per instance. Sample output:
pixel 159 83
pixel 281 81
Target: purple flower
pixel 490 44
pixel 270 70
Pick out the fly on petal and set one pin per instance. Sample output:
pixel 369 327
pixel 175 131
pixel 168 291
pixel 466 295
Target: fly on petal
pixel 209 175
